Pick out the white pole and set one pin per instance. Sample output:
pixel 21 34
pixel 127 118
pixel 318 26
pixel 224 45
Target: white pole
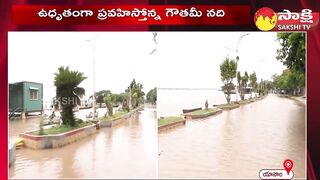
pixel 94 96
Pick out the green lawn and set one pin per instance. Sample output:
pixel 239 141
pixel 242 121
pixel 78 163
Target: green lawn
pixel 244 101
pixel 115 116
pixel 221 106
pixel 203 111
pixel 61 129
pixel 168 120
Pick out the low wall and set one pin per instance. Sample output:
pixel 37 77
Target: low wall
pixel 120 120
pixel 171 125
pixel 189 116
pixel 57 140
pixel 12 153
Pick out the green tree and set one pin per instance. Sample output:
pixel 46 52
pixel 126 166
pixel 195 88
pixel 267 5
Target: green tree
pixel 239 81
pixel 293 50
pixel 68 92
pixel 110 99
pixel 290 81
pixel 253 81
pixel 136 94
pixel 242 83
pixel 152 96
pixel 125 101
pixel 261 87
pixel 228 71
pixel 100 96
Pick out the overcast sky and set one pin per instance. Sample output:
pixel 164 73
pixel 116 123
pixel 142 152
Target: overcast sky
pixel 182 59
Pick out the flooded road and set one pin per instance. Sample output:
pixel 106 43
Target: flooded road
pixel 237 143
pixel 128 150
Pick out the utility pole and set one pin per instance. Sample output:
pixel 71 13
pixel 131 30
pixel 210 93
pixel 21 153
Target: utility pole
pixel 94 79
pixel 93 76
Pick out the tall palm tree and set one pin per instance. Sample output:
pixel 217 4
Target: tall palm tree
pixel 68 92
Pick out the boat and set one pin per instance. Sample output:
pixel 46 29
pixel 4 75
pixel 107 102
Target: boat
pixel 190 110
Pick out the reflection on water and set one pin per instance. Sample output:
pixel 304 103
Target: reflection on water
pixel 125 151
pixel 237 143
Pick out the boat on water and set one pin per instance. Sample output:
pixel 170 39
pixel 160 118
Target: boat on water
pixel 190 110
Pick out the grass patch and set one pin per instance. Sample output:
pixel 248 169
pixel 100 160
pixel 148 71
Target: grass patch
pixel 246 101
pixel 168 120
pixel 61 129
pixel 115 116
pixel 223 106
pixel 203 111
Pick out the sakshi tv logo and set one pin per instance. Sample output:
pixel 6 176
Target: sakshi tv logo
pixel 266 19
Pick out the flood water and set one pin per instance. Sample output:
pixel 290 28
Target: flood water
pixel 171 102
pixel 237 143
pixel 128 150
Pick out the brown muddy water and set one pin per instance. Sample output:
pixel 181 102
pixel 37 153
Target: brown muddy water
pixel 128 150
pixel 237 143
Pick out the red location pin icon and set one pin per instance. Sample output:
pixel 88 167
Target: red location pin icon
pixel 288 164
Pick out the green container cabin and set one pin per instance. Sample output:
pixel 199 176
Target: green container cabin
pixel 25 97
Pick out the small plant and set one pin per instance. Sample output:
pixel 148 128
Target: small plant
pixel 206 104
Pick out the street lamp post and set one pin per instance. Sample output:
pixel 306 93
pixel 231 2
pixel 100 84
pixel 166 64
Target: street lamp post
pixel 93 77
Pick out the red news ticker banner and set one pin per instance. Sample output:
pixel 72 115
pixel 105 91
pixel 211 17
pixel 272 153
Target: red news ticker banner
pixel 131 15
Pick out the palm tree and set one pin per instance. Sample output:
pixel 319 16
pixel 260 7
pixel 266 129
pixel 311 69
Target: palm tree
pixel 136 93
pixel 68 92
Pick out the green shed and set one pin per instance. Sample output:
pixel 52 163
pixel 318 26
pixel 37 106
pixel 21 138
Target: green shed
pixel 25 97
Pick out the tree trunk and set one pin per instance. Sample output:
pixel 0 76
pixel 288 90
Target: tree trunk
pixel 228 98
pixel 67 116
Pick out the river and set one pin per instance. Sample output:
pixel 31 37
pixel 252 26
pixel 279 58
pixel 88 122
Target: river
pixel 128 150
pixel 237 143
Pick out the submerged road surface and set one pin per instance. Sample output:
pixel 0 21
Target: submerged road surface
pixel 128 150
pixel 237 143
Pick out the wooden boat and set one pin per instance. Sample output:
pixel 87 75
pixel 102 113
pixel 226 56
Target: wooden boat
pixel 190 110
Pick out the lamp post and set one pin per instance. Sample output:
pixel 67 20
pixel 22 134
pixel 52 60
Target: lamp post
pixel 93 76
